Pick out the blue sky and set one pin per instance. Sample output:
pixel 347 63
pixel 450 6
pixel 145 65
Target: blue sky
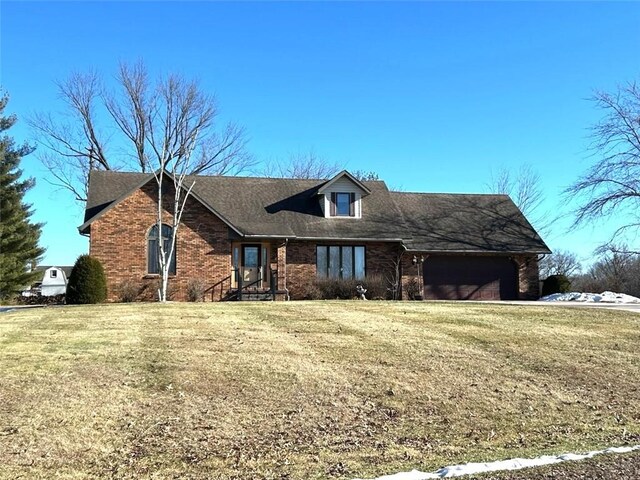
pixel 433 96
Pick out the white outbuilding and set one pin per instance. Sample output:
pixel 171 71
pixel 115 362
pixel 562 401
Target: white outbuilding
pixel 54 282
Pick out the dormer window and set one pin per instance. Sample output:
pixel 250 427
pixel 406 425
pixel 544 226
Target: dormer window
pixel 342 204
pixel 341 197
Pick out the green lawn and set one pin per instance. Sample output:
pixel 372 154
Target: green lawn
pixel 308 389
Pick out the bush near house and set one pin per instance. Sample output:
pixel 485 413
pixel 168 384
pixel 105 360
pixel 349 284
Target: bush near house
pixel 412 289
pixel 40 300
pixel 195 289
pixel 87 282
pixel 343 289
pixel 555 284
pixel 128 291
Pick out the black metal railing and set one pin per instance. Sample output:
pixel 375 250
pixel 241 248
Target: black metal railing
pixel 243 288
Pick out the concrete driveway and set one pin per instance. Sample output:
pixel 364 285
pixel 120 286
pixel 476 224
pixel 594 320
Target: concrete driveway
pixel 628 307
pixel 9 308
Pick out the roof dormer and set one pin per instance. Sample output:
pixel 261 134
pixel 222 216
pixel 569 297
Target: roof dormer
pixel 341 197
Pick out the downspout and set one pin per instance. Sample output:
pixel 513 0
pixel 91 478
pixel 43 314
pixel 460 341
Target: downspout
pixel 539 258
pixel 404 250
pixel 286 243
pixel 88 236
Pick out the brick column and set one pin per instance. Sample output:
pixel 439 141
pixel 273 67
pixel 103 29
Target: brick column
pixel 528 277
pixel 282 266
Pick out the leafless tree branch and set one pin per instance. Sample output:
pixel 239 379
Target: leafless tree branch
pixel 523 186
pixel 612 184
pixel 302 165
pixel 559 263
pixel 146 123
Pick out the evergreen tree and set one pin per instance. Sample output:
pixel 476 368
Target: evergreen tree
pixel 87 282
pixel 19 237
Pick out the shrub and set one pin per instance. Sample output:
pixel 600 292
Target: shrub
pixel 150 288
pixel 341 288
pixel 195 290
pixel 306 291
pixel 377 287
pixel 128 291
pixel 412 288
pixel 87 282
pixel 40 300
pixel 555 284
pixel 337 288
pixel 345 288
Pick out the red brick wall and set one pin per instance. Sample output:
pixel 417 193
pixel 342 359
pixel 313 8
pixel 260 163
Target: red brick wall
pixel 119 241
pixel 381 258
pixel 528 276
pixel 301 266
pixel 301 261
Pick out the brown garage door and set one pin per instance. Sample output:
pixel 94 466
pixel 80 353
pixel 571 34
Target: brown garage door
pixel 470 278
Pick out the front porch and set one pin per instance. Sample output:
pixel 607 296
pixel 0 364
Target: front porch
pixel 261 284
pixel 257 273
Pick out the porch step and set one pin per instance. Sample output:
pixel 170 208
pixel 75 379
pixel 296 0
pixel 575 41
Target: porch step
pixel 259 297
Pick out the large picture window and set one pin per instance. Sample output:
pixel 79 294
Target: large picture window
pixel 153 249
pixel 340 261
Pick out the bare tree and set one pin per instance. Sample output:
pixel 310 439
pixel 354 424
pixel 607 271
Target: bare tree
pixel 167 128
pixel 180 114
pixel 523 186
pixel 104 129
pixel 612 185
pixel 393 275
pixel 73 144
pixel 175 149
pixel 302 165
pixel 559 263
pixel 613 270
pixel 365 175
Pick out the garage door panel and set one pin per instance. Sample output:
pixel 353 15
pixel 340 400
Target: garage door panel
pixel 470 278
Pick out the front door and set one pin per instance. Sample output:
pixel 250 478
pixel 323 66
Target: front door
pixel 250 264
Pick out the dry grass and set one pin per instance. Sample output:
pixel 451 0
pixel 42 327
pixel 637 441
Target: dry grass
pixel 308 390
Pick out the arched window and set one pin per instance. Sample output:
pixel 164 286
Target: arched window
pixel 153 249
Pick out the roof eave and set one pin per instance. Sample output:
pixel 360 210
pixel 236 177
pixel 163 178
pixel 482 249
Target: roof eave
pixel 85 229
pixel 462 251
pixel 324 238
pixel 353 179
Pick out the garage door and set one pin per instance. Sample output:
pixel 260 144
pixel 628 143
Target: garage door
pixel 470 278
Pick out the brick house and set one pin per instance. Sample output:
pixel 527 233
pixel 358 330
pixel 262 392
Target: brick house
pixel 271 235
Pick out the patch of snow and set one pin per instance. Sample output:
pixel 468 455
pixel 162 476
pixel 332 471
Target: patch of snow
pixel 513 464
pixel 604 297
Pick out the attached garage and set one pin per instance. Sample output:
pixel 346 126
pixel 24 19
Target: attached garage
pixel 450 277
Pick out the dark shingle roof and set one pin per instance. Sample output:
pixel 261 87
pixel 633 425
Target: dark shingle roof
pixel 291 207
pixel 276 207
pixel 107 188
pixel 466 223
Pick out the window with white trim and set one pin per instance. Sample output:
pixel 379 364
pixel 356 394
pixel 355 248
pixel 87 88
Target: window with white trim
pixel 340 261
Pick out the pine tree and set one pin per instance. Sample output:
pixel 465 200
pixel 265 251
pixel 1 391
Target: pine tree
pixel 19 237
